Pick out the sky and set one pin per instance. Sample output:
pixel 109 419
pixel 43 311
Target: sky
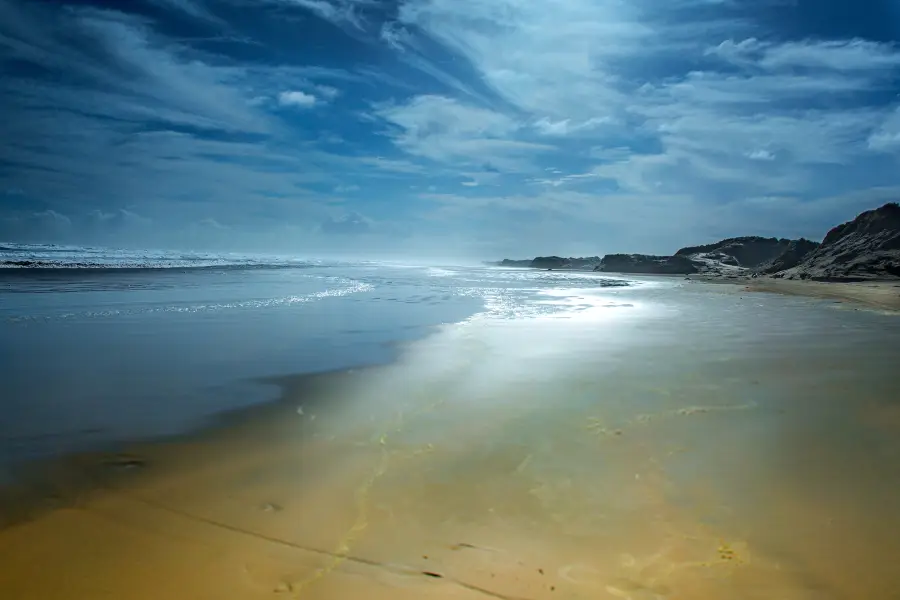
pixel 470 128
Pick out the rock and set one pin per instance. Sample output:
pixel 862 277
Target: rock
pixel 549 262
pixel 792 256
pixel 868 247
pixel 506 262
pixel 125 462
pixel 646 263
pixel 748 251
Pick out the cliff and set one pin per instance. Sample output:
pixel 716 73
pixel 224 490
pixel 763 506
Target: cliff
pixel 645 263
pixel 868 247
pixel 794 254
pixel 747 252
pixel 552 262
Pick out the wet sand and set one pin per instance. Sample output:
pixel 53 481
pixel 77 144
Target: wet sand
pixel 408 481
pixel 877 294
pixel 655 443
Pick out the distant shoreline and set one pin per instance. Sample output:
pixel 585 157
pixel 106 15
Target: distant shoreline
pixel 866 249
pixel 882 294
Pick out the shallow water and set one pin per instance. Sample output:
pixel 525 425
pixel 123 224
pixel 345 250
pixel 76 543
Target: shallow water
pixel 689 443
pixel 575 438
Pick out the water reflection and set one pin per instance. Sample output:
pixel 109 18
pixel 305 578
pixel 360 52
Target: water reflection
pixel 659 442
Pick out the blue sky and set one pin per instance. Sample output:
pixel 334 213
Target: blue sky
pixel 470 128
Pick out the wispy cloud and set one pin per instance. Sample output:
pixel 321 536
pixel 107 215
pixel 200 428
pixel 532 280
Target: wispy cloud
pixel 193 8
pixel 297 98
pixel 447 131
pixel 591 113
pixel 339 12
pixel 760 119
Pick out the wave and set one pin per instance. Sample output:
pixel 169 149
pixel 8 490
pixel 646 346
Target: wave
pixel 50 257
pixel 349 287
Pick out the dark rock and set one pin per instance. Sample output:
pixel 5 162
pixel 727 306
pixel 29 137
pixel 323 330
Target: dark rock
pixel 549 262
pixel 506 262
pixel 866 248
pixel 749 251
pixel 645 263
pixel 125 461
pixel 792 256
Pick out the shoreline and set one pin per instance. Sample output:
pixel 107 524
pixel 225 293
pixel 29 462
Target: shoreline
pixel 59 481
pixel 883 294
pixel 70 479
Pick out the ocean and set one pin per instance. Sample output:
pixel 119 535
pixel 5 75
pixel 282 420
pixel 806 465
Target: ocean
pixel 635 436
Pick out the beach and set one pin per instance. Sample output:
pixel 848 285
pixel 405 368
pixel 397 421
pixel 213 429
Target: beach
pixel 876 294
pixel 577 436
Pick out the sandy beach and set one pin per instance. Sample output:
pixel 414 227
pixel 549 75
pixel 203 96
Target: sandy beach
pixel 565 442
pixel 876 294
pixel 407 481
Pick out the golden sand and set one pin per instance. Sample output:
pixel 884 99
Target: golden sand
pixel 363 496
pixel 876 294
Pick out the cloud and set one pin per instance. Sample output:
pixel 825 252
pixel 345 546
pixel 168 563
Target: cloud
pixel 214 224
pixel 599 115
pixel 112 65
pixel 761 155
pixel 296 99
pixel 339 12
pixel 447 131
pixel 564 127
pixel 685 113
pixel 835 55
pixel 192 8
pixel 887 136
pixel 326 91
pixel 394 35
pixel 118 218
pixel 351 223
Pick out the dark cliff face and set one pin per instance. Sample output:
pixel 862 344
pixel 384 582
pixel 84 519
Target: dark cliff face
pixel 793 255
pixel 558 262
pixel 872 223
pixel 748 252
pixel 645 263
pixel 549 262
pixel 868 247
pixel 506 262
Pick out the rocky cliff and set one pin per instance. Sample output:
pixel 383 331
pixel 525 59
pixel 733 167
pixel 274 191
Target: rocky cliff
pixel 793 255
pixel 552 262
pixel 646 263
pixel 868 247
pixel 747 252
pixel 508 262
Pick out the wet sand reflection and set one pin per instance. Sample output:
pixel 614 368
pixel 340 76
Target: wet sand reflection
pixel 700 479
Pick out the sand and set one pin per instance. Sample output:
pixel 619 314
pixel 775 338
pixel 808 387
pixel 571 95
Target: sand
pixel 754 470
pixel 876 294
pixel 319 497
